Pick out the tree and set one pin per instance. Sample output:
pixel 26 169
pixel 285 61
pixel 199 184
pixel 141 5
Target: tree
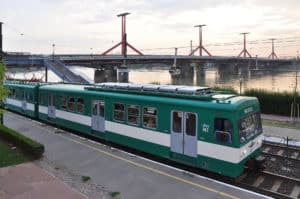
pixel 3 91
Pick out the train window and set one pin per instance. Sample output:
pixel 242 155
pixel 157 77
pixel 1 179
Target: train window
pixel 80 105
pixel 102 109
pixel 23 95
pixel 30 97
pixel 119 112
pixel 16 94
pixel 133 112
pixel 11 93
pixel 94 108
pixel 249 127
pixel 63 103
pixel 150 117
pixel 42 99
pixel 71 102
pixel 223 130
pixel 190 124
pixel 177 122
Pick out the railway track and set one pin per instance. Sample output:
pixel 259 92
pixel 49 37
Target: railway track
pixel 281 178
pixel 282 159
pixel 271 184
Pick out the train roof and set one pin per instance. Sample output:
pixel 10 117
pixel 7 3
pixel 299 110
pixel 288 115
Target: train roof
pixel 24 84
pixel 160 93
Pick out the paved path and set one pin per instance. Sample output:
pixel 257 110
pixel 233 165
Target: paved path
pixel 28 181
pixel 133 177
pixel 281 132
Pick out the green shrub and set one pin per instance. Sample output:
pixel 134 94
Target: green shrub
pixel 277 103
pixel 228 89
pixel 28 145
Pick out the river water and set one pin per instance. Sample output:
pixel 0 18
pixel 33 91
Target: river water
pixel 272 80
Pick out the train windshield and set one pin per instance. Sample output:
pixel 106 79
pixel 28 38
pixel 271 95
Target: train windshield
pixel 249 127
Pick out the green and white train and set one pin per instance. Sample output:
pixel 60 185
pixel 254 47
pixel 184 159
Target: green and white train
pixel 193 125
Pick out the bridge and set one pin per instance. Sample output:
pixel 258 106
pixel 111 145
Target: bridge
pixel 58 62
pixel 97 61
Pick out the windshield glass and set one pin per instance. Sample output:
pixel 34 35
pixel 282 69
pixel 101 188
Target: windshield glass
pixel 249 126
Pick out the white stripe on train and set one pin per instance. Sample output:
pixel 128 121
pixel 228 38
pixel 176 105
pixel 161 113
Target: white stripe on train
pixel 216 151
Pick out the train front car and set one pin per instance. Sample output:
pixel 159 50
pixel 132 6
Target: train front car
pixel 250 133
pixel 242 131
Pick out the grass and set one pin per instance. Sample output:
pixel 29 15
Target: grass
pixel 9 156
pixel 281 124
pixel 115 194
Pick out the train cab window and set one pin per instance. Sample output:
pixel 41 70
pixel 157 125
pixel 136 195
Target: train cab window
pixel 133 112
pixel 223 130
pixel 119 112
pixel 71 102
pixel 177 122
pixel 190 124
pixel 63 103
pixel 150 117
pixel 80 105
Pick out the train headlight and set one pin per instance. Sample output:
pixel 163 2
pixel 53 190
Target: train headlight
pixel 243 152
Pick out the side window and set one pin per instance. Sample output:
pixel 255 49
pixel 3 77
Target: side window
pixel 41 99
pixel 80 105
pixel 16 94
pixel 71 102
pixel 102 108
pixel 223 130
pixel 63 103
pixel 149 117
pixel 177 122
pixel 190 124
pixel 30 97
pixel 94 108
pixel 133 112
pixel 10 93
pixel 23 95
pixel 119 112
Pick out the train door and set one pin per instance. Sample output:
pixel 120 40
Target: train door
pixel 184 133
pixel 98 118
pixel 24 103
pixel 51 106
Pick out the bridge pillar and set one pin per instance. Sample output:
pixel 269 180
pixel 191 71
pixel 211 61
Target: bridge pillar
pixel 105 75
pixel 200 74
pixel 122 74
pixel 186 76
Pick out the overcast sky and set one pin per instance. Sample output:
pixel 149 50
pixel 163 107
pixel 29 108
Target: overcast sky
pixel 76 26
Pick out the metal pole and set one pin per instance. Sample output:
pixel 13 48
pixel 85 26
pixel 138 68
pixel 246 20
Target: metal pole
pixel 200 40
pixel 244 44
pixel 1 51
pixel 191 43
pixel 53 51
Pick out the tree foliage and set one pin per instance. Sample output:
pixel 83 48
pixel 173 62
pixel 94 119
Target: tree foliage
pixel 3 91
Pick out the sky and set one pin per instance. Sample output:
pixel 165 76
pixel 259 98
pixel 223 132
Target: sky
pixel 154 26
